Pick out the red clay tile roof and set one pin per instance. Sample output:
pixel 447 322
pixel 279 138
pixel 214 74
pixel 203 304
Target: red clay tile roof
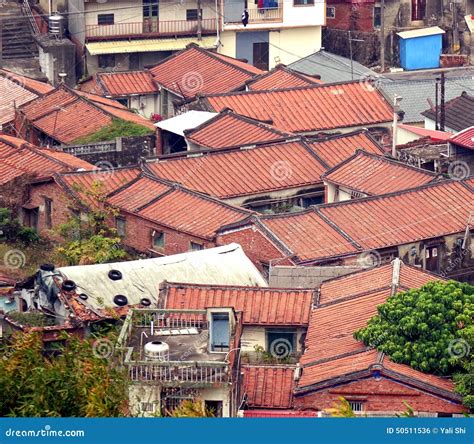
pixel 268 386
pixel 192 213
pixel 281 77
pixel 373 279
pixel 228 129
pixel 78 184
pixel 19 158
pixel 464 138
pixel 335 149
pixel 397 218
pixel 308 235
pixel 348 228
pixel 374 174
pixel 279 413
pixel 120 84
pixel 243 172
pixel 334 368
pixel 238 63
pixel 16 90
pixel 423 132
pixel 68 115
pixel 196 70
pixel 260 306
pixel 307 109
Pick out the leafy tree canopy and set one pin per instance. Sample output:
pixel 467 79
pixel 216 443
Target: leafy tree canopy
pixel 71 382
pixel 430 329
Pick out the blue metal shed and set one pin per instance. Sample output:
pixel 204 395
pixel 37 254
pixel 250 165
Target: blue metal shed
pixel 421 48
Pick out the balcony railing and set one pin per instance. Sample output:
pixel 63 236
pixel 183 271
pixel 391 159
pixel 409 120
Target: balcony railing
pixel 263 15
pixel 150 28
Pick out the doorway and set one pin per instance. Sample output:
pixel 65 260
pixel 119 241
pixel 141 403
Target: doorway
pixel 150 15
pixel 432 258
pixel 214 407
pixel 261 55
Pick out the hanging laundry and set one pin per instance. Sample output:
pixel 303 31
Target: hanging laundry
pixel 245 17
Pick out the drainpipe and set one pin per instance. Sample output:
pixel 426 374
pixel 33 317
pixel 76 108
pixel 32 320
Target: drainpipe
pixel 199 17
pixel 396 103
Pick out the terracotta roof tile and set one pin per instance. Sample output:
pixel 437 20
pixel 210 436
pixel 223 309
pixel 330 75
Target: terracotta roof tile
pixel 268 387
pixel 196 70
pixel 281 77
pixel 399 218
pixel 307 109
pixel 243 172
pixel 28 83
pixel 373 174
pixel 78 184
pixel 371 280
pixel 334 368
pixel 336 149
pixel 19 158
pixel 120 84
pixel 68 115
pixel 192 213
pixel 464 138
pixel 308 235
pixel 260 306
pixel 228 129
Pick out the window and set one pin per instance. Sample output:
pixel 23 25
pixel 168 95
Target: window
pixel 107 61
pixel 120 225
pixel 192 14
pixel 158 239
pixel 150 8
pixel 377 16
pixel 196 247
pixel 331 12
pixel 220 332
pixel 215 407
pixel 261 54
pixel 356 406
pixel 418 10
pixel 147 407
pixel 105 19
pixel 48 210
pixel 303 2
pixel 281 342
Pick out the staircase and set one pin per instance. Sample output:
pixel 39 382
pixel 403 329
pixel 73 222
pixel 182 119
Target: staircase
pixel 17 40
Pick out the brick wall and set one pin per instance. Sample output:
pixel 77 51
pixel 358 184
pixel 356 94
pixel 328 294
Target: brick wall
pixel 256 246
pixel 356 17
pixel 138 236
pixel 383 395
pixel 61 207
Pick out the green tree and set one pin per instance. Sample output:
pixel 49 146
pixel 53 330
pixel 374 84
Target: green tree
pixel 429 329
pixel 191 409
pixel 74 381
pixel 90 239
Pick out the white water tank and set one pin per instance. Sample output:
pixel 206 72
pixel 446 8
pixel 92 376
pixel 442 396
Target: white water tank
pixel 157 351
pixel 56 25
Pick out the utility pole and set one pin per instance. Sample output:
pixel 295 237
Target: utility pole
pixel 396 102
pixel 382 35
pixel 351 54
pixel 442 117
pixel 437 104
pixel 199 20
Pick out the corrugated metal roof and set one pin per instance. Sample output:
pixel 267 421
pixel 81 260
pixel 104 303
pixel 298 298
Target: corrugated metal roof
pixel 226 265
pixel 424 32
pixel 307 109
pixel 228 129
pixel 186 121
pixel 373 174
pixel 146 45
pixel 418 95
pixel 195 70
pixel 260 306
pixel 243 172
pixel 332 68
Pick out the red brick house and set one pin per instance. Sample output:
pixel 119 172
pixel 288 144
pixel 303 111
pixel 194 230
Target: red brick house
pixel 425 226
pixel 334 364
